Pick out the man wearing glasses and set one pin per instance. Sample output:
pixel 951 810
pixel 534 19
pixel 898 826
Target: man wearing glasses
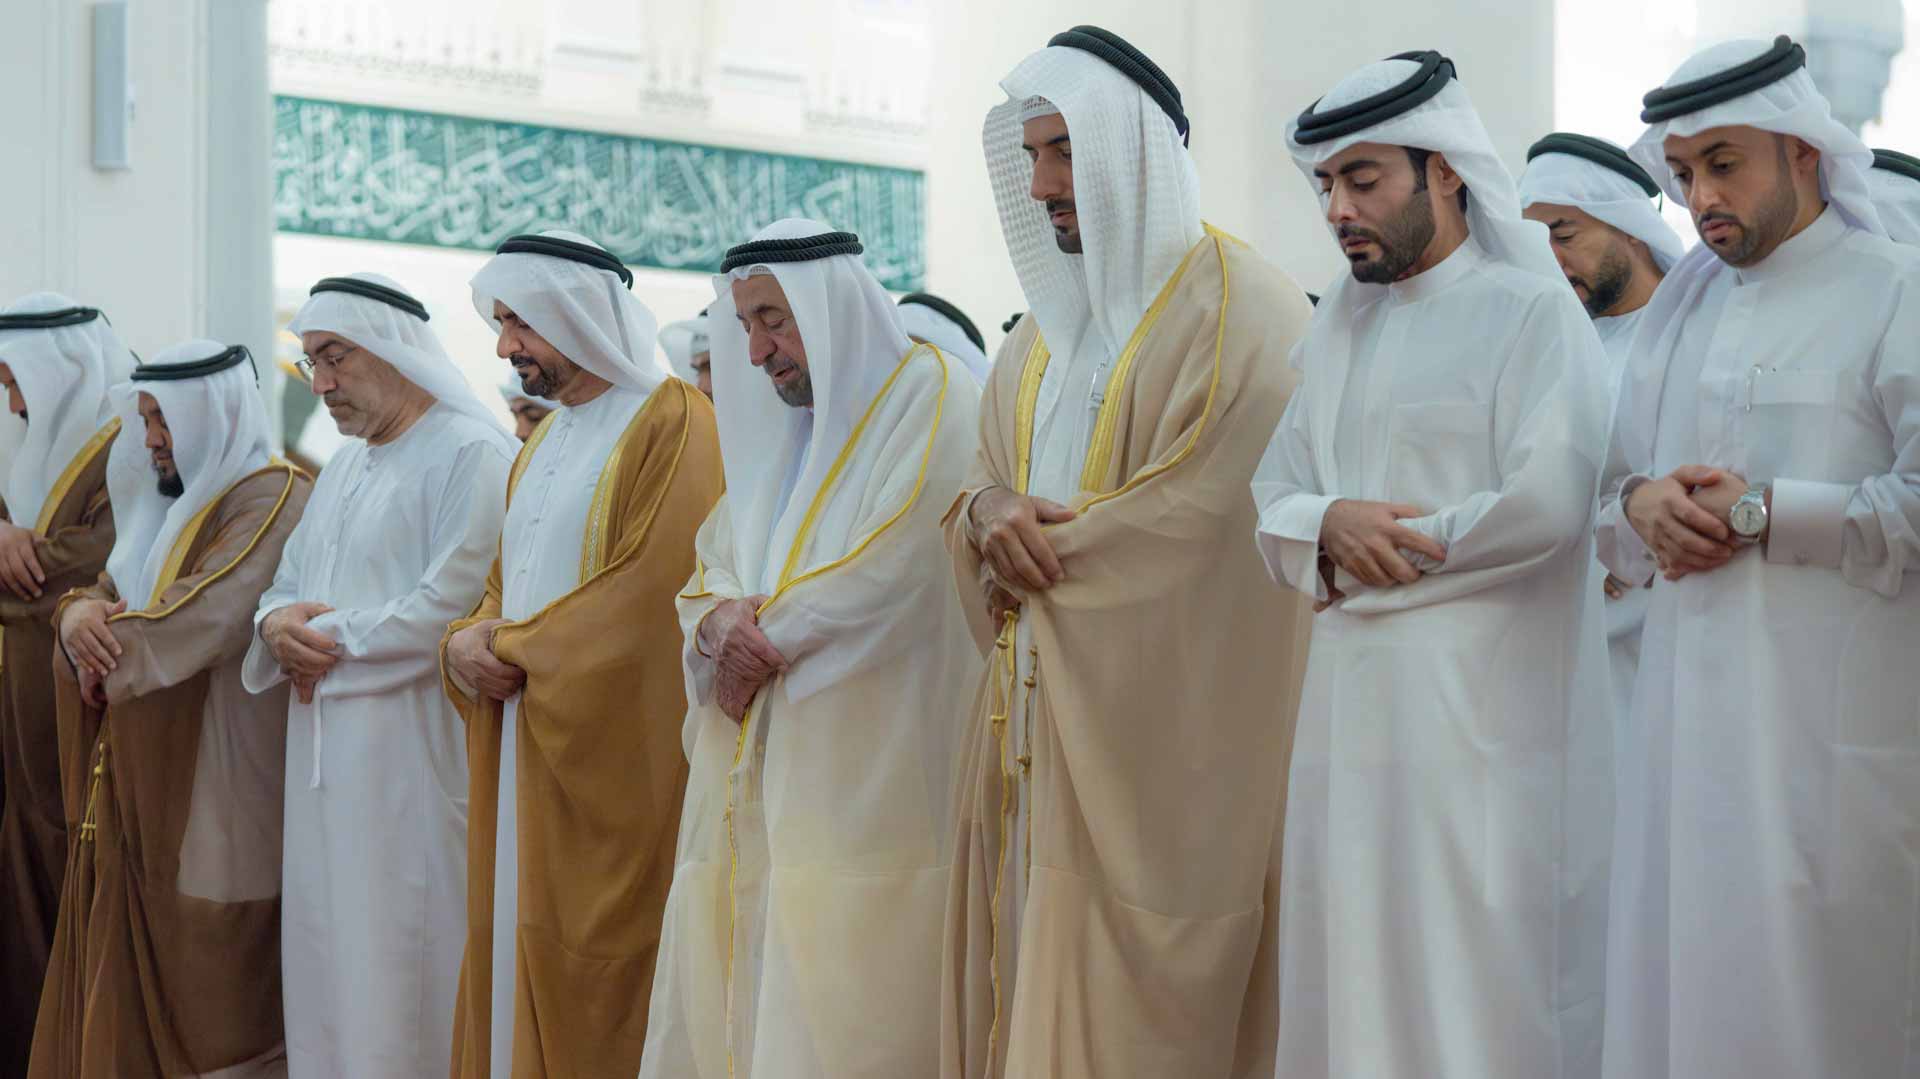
pixel 395 544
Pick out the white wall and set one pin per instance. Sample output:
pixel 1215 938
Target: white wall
pixel 166 248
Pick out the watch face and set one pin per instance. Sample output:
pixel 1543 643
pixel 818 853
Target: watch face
pixel 1747 518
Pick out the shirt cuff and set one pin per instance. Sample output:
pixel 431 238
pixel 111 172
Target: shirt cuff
pixel 1807 523
pixel 1617 545
pixel 1289 540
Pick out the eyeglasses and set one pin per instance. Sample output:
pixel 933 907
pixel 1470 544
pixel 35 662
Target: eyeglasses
pixel 330 361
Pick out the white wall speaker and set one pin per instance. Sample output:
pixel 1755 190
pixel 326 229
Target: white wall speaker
pixel 112 87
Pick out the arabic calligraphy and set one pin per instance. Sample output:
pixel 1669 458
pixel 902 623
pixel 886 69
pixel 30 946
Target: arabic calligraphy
pixel 400 176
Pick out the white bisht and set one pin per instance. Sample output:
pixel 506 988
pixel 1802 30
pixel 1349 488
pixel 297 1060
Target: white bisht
pixel 1765 890
pixel 396 539
pixel 801 935
pixel 64 373
pixel 1443 892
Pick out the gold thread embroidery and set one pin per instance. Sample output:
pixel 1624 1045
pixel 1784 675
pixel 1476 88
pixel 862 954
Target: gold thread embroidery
pixel 185 540
pixel 70 475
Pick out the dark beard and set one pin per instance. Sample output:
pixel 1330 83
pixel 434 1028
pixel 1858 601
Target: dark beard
pixel 1610 281
pixel 1402 241
pixel 172 486
pixel 798 393
pixel 544 383
pixel 1068 240
pixel 1771 221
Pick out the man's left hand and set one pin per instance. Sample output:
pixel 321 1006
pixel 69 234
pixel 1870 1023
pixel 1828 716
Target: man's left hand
pixel 1717 497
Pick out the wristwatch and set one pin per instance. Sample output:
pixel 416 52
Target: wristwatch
pixel 1748 516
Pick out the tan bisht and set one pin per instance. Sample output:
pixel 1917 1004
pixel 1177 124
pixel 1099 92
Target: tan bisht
pixel 167 956
pixel 600 769
pixel 1161 715
pixel 78 524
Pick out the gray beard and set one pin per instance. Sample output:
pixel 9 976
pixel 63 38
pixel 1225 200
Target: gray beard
pixel 798 393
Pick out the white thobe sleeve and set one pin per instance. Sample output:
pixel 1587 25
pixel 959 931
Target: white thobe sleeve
pixel 1870 531
pixel 1549 431
pixel 398 642
pixel 260 672
pixel 1287 494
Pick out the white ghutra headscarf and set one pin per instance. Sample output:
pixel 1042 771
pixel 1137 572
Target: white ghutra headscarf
pixel 1559 179
pixel 853 344
pixel 399 337
pixel 1135 191
pixel 589 314
pixel 64 374
pixel 220 436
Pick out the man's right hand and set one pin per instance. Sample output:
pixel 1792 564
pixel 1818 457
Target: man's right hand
pixel 1366 538
pixel 303 652
pixel 470 654
pixel 20 570
pixel 1005 529
pixel 745 660
pixel 1684 537
pixel 86 637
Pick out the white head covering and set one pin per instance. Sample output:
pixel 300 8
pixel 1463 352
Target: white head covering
pixel 853 343
pixel 917 320
pixel 514 390
pixel 64 374
pixel 1789 106
pixel 586 312
pixel 1135 191
pixel 1448 124
pixel 402 340
pixel 1897 198
pixel 1559 179
pixel 220 436
pixel 682 341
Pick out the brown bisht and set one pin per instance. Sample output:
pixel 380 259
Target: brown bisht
pixel 1168 675
pixel 78 525
pixel 166 961
pixel 601 770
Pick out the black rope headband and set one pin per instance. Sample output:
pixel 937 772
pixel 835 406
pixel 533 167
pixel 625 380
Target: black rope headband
pixel 50 320
pixel 1597 151
pixel 951 313
pixel 1666 102
pixel 1897 163
pixel 797 249
pixel 354 286
pixel 1417 89
pixel 1131 62
pixel 212 365
pixel 571 250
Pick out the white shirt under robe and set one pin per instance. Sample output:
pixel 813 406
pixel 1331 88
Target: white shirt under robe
pixel 546 528
pixel 397 540
pixel 1444 880
pixel 1766 886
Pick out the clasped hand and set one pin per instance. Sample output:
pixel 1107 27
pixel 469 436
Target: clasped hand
pixel 1368 541
pixel 1682 518
pixel 744 659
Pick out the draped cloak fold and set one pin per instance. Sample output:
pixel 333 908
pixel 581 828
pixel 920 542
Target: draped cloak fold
pixel 77 522
pixel 600 769
pixel 1169 672
pixel 166 960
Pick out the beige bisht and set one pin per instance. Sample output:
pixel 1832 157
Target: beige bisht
pixel 1161 715
pixel 816 844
